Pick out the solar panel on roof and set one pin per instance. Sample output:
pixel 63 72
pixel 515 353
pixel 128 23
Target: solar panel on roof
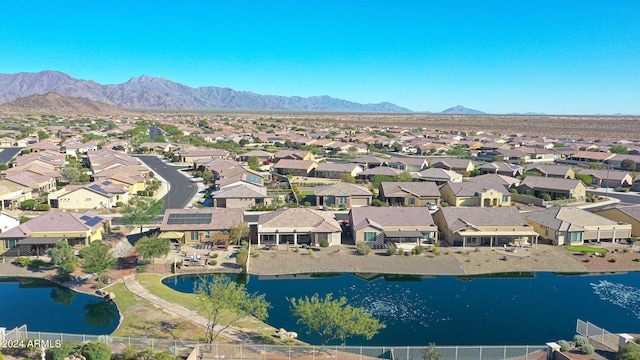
pixel 107 182
pixel 254 179
pixel 180 219
pixel 85 217
pixel 93 221
pixel 97 188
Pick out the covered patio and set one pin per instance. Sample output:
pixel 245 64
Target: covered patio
pixel 500 238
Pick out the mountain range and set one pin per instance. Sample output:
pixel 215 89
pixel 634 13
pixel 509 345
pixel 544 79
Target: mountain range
pixel 146 92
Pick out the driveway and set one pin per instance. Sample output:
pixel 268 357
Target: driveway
pixel 181 189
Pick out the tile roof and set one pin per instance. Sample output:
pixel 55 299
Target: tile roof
pixel 346 168
pixel 567 218
pixel 416 188
pixel 475 188
pixel 301 218
pixel 381 170
pixel 537 182
pixel 380 217
pixel 459 217
pixel 240 191
pixel 221 219
pixel 57 221
pixel 293 164
pixel 342 189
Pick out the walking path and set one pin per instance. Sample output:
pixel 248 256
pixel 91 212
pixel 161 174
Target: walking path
pixel 134 287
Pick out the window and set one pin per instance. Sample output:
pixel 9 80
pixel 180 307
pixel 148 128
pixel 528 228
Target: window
pixel 194 236
pixel 342 200
pixel 505 199
pixel 207 234
pixel 412 201
pixel 11 244
pixel 370 236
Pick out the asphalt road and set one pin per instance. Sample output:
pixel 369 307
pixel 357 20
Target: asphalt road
pixel 181 189
pixel 625 198
pixel 8 153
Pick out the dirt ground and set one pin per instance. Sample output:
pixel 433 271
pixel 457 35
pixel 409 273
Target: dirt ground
pixel 451 261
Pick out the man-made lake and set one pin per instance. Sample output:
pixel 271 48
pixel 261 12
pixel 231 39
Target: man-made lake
pixel 45 306
pixel 508 309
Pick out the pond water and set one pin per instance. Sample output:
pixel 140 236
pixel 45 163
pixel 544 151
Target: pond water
pixel 502 309
pixel 45 306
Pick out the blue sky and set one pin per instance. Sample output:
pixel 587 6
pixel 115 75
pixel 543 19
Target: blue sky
pixel 556 57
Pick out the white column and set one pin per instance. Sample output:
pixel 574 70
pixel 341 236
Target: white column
pixel 613 237
pixel 295 239
pixel 277 239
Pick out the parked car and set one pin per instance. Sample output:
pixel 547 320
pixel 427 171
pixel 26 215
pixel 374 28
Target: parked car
pixel 432 206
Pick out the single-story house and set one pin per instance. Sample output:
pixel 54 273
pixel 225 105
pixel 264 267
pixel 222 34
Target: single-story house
pixel 438 176
pixel 573 226
pixel 11 195
pixel 556 188
pixel 628 214
pixel 370 162
pixel 334 171
pixel 369 174
pixel 611 178
pixel 403 226
pixel 242 196
pixel 192 226
pixel 293 155
pixel 342 195
pixel 500 168
pixel 481 194
pixel 409 164
pixel 7 222
pixel 103 194
pixel 297 226
pixel 42 232
pixel 189 157
pixel 461 165
pixel 553 171
pixel 260 154
pixel 295 167
pixel 409 193
pixel 475 226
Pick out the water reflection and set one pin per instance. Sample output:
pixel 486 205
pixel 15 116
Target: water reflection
pixel 63 296
pixel 100 314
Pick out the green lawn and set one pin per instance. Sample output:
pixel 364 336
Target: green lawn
pixel 153 283
pixel 585 248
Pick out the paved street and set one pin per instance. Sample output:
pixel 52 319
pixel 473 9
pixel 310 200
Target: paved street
pixel 629 198
pixel 181 189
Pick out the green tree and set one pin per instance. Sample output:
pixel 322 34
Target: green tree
pixel 238 232
pixel 42 135
pixel 347 178
pixel 458 151
pixel 586 178
pixel 629 352
pixel 61 252
pixel 619 149
pixel 403 177
pixel 151 247
pixel 628 164
pixel 334 319
pixel 62 296
pixel 253 162
pixel 66 269
pixel 94 350
pixel 96 258
pixel 71 174
pixel 142 212
pixel 378 179
pixel 595 165
pixel 431 352
pixel 220 297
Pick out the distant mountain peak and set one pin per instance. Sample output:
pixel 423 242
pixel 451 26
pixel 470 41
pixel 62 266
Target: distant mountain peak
pixel 461 110
pixel 146 92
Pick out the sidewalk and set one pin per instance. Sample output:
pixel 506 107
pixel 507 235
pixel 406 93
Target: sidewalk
pixel 134 287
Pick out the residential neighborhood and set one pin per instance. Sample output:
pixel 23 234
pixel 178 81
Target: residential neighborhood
pixel 245 169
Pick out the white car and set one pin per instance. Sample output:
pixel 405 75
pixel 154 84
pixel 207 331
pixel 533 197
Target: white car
pixel 432 206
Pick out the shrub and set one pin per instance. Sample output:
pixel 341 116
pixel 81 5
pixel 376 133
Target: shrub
pixel 419 249
pixel 310 251
pixel 28 204
pixel 622 189
pixel 436 252
pixel 587 349
pixel 505 258
pixel 23 261
pixel 324 243
pixel 391 250
pixel 625 250
pixel 36 264
pixel 580 341
pixel 43 207
pixel 564 345
pixel 119 204
pixel 296 249
pixel 401 251
pixel 444 204
pixel 215 255
pixel 363 248
pixel 545 197
pixel 213 262
pixel 376 202
pixel 116 228
pixel 241 258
